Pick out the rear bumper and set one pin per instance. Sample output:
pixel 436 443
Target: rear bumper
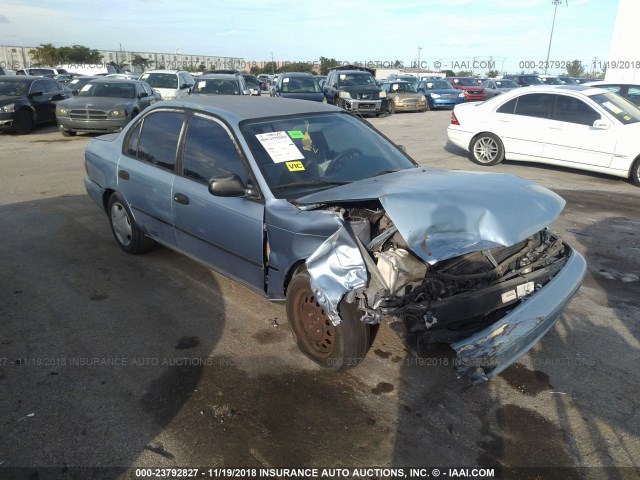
pixel 94 190
pixel 488 352
pixel 459 138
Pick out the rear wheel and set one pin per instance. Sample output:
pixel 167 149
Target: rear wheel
pixel 68 133
pixel 129 237
pixel 334 347
pixel 635 172
pixel 487 149
pixel 23 122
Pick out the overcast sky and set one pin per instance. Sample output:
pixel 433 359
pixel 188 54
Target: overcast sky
pixel 448 31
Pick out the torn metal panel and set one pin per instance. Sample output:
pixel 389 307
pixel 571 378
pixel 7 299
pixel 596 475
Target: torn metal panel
pixel 444 214
pixel 336 267
pixel 489 351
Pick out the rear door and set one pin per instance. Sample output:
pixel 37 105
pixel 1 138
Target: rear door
pixel 224 233
pixel 522 124
pixel 146 172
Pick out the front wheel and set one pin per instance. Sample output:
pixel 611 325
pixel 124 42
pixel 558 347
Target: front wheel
pixel 129 237
pixel 23 122
pixel 335 347
pixel 68 133
pixel 487 149
pixel 392 108
pixel 635 172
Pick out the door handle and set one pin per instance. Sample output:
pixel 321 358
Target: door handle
pixel 123 174
pixel 181 199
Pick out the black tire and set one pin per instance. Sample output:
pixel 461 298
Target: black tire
pixel 128 236
pixel 635 172
pixel 334 347
pixel 486 149
pixel 428 107
pixel 68 133
pixel 336 101
pixel 392 108
pixel 23 122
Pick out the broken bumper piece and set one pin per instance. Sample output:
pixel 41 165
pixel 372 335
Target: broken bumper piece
pixel 491 350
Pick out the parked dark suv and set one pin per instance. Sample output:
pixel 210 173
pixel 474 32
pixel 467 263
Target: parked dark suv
pixel 525 80
pixel 355 88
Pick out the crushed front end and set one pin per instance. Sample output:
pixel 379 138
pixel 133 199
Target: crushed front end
pixel 492 305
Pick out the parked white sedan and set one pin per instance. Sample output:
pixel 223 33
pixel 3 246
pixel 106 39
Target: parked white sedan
pixel 573 126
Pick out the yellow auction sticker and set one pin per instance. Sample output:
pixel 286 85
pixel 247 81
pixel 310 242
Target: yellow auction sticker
pixel 295 166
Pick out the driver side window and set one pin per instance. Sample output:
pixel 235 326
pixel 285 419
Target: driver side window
pixel 210 152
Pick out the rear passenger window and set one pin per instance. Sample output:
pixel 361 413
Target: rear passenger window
pixel 209 152
pixel 159 137
pixel 509 107
pixel 574 110
pixel 534 105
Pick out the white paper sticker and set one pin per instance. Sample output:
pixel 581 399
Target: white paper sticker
pixel 279 147
pixel 508 296
pixel 525 289
pixel 202 84
pixel 615 110
pixel 285 80
pixel 86 88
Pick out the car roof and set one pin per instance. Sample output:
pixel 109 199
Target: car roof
pixel 21 78
pixel 220 76
pixel 296 74
pixel 583 89
pixel 114 80
pixel 164 71
pixel 237 108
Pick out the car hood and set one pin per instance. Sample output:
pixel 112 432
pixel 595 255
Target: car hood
pixel 443 91
pixel 443 214
pixel 96 102
pixel 316 97
pixel 361 88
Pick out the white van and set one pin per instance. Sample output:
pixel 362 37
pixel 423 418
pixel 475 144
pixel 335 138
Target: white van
pixel 171 84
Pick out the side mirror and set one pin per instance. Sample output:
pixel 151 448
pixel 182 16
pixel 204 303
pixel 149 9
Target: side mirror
pixel 75 91
pixel 227 186
pixel 601 124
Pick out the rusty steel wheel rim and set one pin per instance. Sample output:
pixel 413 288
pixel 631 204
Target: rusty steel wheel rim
pixel 317 330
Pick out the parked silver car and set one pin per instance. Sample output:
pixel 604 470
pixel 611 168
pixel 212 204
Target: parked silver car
pixel 495 87
pixel 305 203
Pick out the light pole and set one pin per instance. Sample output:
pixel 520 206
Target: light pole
pixel 419 49
pixel 555 3
pixel 272 67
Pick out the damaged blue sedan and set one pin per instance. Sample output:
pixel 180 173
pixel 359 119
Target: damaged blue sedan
pixel 307 204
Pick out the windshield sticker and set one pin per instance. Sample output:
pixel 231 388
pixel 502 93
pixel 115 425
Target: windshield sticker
pixel 295 134
pixel 86 88
pixel 279 147
pixel 307 143
pixel 627 117
pixel 295 166
pixel 285 80
pixel 202 84
pixel 342 77
pixel 615 110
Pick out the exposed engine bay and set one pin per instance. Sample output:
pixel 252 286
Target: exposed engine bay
pixel 449 299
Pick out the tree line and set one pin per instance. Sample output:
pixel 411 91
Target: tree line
pixel 49 55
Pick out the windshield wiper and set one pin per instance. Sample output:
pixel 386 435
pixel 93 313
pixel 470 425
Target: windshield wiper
pixel 384 172
pixel 317 181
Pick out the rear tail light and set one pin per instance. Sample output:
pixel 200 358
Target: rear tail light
pixel 454 119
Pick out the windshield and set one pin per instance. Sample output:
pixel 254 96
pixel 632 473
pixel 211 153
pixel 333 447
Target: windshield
pixel 111 90
pixel 531 80
pixel 438 85
pixel 300 85
pixel 466 82
pixel 402 87
pixel 623 110
pixel 161 80
pixel 353 79
pixel 251 81
pixel 13 88
pixel 307 153
pixel 217 86
pixel 553 81
pixel 506 84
